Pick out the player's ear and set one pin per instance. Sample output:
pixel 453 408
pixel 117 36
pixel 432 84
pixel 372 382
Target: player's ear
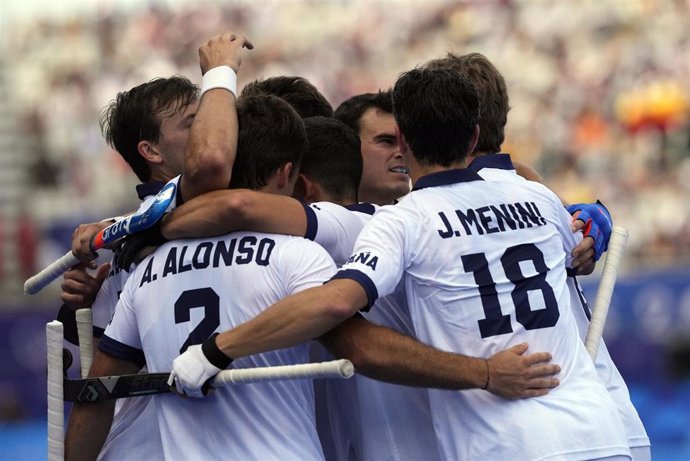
pixel 284 175
pixel 311 189
pixel 474 139
pixel 299 191
pixel 149 153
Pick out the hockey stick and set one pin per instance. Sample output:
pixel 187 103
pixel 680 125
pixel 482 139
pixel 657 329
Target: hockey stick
pixel 130 225
pixel 116 387
pixel 61 389
pixel 600 310
pixel 84 319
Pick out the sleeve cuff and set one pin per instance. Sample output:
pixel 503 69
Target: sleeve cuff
pixel 362 279
pixel 122 351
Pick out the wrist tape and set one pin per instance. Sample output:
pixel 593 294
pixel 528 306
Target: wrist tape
pixel 219 77
pixel 214 355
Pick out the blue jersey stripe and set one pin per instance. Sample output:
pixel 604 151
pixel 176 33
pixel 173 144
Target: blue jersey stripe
pixel 122 351
pixel 312 222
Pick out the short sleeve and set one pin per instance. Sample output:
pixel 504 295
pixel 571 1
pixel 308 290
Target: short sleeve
pixel 121 337
pixel 304 264
pixel 378 259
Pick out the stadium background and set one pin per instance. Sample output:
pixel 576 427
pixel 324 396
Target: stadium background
pixel 599 91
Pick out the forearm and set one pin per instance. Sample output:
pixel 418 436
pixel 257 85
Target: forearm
pixel 212 145
pixel 295 319
pixel 203 216
pixel 220 212
pixel 383 354
pixel 87 430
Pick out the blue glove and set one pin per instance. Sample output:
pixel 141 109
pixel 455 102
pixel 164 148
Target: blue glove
pixel 598 224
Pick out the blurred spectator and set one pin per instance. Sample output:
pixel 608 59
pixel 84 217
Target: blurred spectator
pixel 27 245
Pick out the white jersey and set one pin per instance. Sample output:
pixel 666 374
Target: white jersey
pixel 187 290
pixel 499 167
pixel 361 417
pixel 484 269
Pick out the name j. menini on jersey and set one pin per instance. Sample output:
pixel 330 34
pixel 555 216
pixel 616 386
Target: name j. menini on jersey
pixel 491 219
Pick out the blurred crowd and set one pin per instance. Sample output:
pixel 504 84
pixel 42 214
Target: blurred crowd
pixel 600 92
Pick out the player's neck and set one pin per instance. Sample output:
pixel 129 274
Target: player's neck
pixel 476 154
pixel 417 170
pixel 158 174
pixel 325 197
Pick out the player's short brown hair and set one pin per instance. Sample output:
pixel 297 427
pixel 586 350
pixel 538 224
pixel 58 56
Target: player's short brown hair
pixel 492 91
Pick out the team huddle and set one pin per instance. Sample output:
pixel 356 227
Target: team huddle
pixel 390 231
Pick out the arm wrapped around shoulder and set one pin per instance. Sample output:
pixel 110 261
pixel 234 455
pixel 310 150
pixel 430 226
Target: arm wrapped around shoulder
pixel 598 224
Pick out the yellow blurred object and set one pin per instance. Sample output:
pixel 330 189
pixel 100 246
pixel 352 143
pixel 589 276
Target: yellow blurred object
pixel 660 104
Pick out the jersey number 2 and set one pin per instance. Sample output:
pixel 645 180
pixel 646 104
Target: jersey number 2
pixel 495 322
pixel 201 297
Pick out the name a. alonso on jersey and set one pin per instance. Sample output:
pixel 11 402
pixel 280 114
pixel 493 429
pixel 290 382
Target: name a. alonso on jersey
pixel 491 219
pixel 241 251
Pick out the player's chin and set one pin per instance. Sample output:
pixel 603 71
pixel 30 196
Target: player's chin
pixel 400 189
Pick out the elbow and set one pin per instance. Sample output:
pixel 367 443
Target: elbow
pixel 341 309
pixel 352 340
pixel 236 206
pixel 210 172
pixel 362 359
pixel 344 298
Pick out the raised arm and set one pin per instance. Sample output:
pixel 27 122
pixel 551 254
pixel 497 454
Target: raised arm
pixel 212 143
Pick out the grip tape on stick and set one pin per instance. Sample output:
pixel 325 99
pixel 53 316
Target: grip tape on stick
pixel 56 408
pixel 600 310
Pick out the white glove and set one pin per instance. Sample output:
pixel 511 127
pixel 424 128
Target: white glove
pixel 191 370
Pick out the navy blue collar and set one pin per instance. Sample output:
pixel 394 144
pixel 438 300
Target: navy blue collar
pixel 499 161
pixel 149 188
pixel 367 208
pixel 446 177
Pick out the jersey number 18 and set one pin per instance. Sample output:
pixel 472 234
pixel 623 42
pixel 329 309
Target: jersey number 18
pixel 495 322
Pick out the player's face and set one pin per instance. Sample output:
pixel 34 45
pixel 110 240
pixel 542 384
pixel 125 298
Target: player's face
pixel 174 133
pixel 385 176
